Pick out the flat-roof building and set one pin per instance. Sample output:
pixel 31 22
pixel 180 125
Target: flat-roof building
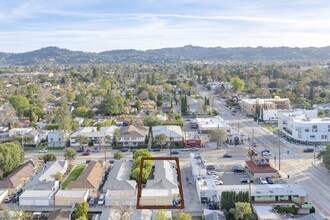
pixel 206 125
pixel 249 106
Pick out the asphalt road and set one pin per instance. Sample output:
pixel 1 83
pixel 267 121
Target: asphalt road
pixel 294 162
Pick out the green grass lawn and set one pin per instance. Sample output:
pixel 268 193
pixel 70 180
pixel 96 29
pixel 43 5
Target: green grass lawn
pixel 40 147
pixel 55 148
pixel 75 173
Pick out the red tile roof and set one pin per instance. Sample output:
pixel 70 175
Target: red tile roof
pixel 259 169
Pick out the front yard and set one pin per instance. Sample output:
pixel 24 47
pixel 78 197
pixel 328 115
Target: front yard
pixel 75 173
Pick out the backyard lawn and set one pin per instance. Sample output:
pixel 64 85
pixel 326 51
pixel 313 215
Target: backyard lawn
pixel 75 173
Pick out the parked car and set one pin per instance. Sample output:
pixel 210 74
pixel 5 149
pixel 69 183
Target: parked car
pixel 156 149
pixel 16 195
pixel 88 161
pixel 184 149
pixel 96 150
pixel 111 161
pixel 308 150
pixel 218 182
pixel 43 151
pixel 9 198
pixel 193 149
pixel 269 180
pixel 238 169
pixel 86 153
pixel 79 150
pixel 175 152
pixel 246 180
pixel 124 150
pixel 210 206
pixel 212 172
pixel 101 199
pixel 266 153
pixel 227 156
pixel 91 201
pixel 215 177
pixel 263 180
pixel 210 167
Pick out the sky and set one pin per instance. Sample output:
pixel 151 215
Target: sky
pixel 100 25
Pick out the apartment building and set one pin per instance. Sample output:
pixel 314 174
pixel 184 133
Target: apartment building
pixel 249 106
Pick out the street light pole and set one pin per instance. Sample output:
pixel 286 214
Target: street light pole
pixel 279 151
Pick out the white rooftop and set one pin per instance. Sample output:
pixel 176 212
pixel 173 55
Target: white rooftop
pixel 36 193
pixel 71 193
pixel 165 175
pixel 159 192
pixel 169 130
pixel 278 190
pixel 93 132
pixel 119 176
pixel 266 212
pixel 212 123
pixel 206 183
pixel 52 169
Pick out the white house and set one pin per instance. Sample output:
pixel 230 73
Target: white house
pixel 163 189
pixel 56 139
pixel 297 126
pixel 206 125
pixel 132 135
pixel 19 131
pixel 39 191
pixel 173 132
pixel 118 186
pixel 95 137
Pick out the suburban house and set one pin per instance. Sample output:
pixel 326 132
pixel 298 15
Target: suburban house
pixel 18 178
pixel 70 197
pixel 46 178
pixel 206 125
pixel 56 139
pixel 249 106
pixel 95 138
pixel 299 126
pixel 163 188
pixel 32 138
pixel 90 179
pixel 118 187
pixel 192 139
pixel 259 167
pixel 173 133
pixel 19 131
pixel 132 136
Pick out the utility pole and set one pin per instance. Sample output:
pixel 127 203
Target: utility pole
pixel 279 150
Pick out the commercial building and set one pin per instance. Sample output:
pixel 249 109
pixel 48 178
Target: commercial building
pixel 70 197
pixel 259 167
pixel 205 185
pixel 192 139
pixel 298 127
pixel 249 106
pixel 271 115
pixel 205 125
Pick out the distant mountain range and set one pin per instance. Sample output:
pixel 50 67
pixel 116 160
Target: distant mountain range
pixel 59 56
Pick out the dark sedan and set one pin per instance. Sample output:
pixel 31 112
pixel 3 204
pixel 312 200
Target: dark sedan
pixel 227 156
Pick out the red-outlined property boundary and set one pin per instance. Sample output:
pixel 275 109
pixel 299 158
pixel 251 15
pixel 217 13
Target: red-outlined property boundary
pixel 138 205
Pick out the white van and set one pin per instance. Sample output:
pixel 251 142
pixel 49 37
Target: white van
pixel 101 199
